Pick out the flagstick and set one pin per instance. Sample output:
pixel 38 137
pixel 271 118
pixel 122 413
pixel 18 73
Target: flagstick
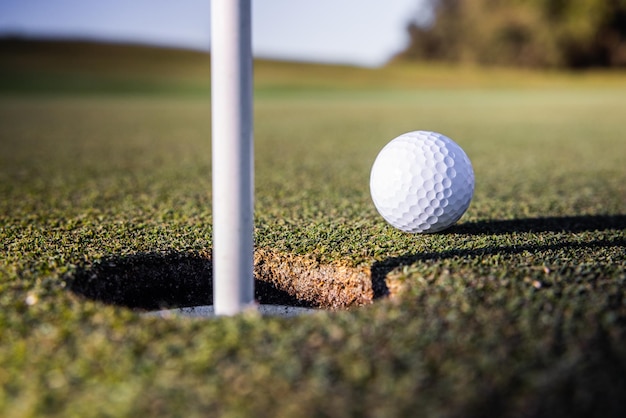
pixel 232 156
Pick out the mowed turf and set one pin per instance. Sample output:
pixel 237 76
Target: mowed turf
pixel 518 310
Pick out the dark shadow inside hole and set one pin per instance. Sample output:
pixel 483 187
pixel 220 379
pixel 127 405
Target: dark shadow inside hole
pixel 150 281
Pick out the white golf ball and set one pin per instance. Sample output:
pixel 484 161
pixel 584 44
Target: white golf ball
pixel 422 182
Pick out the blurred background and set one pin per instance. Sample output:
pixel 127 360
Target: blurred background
pixel 357 32
pixel 528 33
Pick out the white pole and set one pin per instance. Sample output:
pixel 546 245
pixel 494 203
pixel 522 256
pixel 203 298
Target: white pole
pixel 232 155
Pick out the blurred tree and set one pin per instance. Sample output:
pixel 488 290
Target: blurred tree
pixel 531 33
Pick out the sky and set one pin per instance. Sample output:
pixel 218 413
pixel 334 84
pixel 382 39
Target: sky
pixel 358 32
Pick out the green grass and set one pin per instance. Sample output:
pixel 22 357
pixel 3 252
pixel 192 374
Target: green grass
pixel 518 310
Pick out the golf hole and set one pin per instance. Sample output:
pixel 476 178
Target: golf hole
pixel 180 284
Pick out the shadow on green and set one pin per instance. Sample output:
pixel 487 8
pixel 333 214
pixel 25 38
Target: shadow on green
pixel 567 224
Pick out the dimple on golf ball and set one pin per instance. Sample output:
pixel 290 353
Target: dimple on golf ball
pixel 422 181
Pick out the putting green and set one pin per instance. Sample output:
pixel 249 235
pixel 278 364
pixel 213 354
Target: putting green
pixel 105 213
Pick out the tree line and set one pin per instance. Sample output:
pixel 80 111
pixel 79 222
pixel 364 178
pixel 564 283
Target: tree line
pixel 528 33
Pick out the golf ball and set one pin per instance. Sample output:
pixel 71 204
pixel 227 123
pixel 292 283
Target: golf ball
pixel 422 182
